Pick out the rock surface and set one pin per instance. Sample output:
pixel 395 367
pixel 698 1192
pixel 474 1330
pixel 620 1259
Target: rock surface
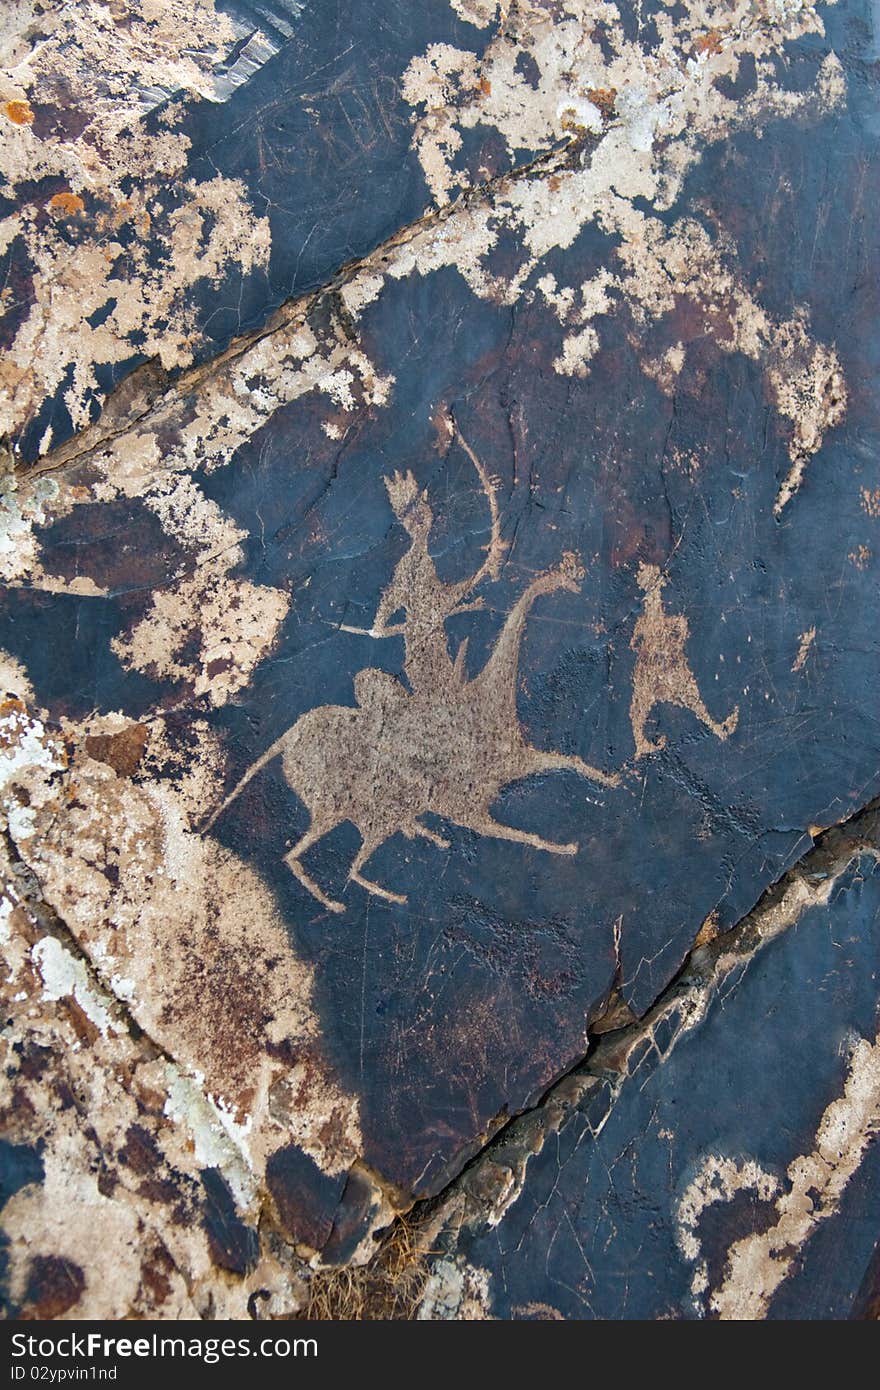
pixel 716 1159
pixel 439 545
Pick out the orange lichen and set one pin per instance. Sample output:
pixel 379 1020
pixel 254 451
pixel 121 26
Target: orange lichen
pixel 485 86
pixel 19 112
pixel 67 204
pixel 708 931
pixel 708 43
pixel 604 98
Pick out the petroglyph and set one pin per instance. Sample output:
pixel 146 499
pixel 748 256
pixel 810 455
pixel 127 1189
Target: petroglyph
pixel 806 646
pixel 757 1265
pixel 662 673
pixel 418 591
pixel 448 745
pixel 632 245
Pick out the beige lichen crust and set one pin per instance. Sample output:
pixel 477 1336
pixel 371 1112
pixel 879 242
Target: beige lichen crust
pixel 112 1228
pixel 657 96
pixel 113 246
pixel 646 116
pixel 757 1264
pixel 210 628
pixel 173 933
pixel 167 996
pixel 456 1291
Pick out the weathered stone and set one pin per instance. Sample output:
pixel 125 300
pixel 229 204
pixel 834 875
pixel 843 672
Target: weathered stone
pixel 440 571
pixel 718 1159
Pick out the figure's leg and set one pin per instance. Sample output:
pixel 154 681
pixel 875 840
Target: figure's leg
pixel 355 875
pixel 539 761
pixel 292 860
pixel 487 826
pixel 431 835
pixel 729 724
pixel 693 700
pixel 639 710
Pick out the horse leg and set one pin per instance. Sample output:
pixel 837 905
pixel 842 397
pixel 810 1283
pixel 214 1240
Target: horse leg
pixel 434 838
pixel 540 761
pixel 292 860
pixel 488 826
pixel 355 876
pixel 725 727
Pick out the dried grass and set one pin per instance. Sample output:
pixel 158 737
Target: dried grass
pixel 389 1286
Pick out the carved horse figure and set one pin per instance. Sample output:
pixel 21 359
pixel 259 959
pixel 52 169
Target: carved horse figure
pixel 447 746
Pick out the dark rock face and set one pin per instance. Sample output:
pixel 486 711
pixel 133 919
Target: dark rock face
pixel 730 1170
pixel 282 166
pixel 468 609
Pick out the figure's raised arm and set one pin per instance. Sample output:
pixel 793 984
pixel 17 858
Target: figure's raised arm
pixel 389 604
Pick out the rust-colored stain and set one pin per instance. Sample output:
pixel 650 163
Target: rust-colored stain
pixel 19 112
pixel 708 43
pixel 122 751
pixel 605 98
pixel 54 1285
pixel 708 931
pixel 67 204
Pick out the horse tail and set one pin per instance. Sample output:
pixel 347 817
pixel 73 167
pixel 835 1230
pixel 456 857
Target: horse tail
pixel 252 771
